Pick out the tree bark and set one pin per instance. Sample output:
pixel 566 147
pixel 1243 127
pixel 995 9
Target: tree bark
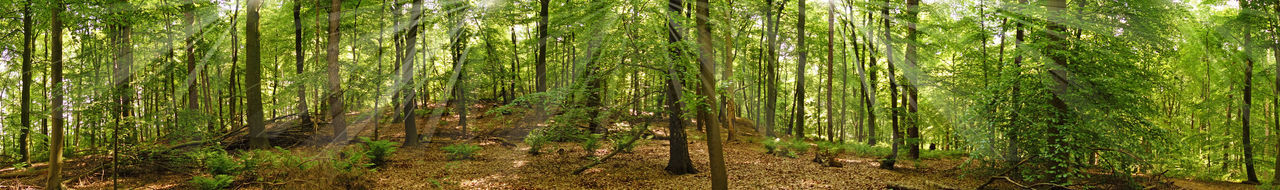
pixel 55 137
pixel 1248 93
pixel 406 77
pixel 28 45
pixel 679 162
pixel 541 65
pixel 336 106
pixel 299 59
pixel 193 95
pixel 888 163
pixel 831 29
pixel 913 129
pixel 253 78
pixel 801 49
pixel 706 73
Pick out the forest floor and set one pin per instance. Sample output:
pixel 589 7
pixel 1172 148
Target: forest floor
pixel 504 163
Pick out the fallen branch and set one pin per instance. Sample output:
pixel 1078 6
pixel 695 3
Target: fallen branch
pixel 1006 172
pixel 1032 186
pixel 635 136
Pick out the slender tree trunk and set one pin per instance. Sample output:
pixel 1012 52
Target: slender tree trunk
pixel 28 45
pixel 235 58
pixel 888 162
pixel 831 36
pixel 253 78
pixel 1248 93
pixel 299 59
pixel 913 130
pixel 121 78
pixel 803 50
pixel 706 73
pixel 406 76
pixel 55 138
pixel 771 76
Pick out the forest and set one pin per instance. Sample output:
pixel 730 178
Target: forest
pixel 639 94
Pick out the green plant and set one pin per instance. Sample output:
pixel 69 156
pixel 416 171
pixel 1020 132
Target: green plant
pixel 536 139
pixel 771 145
pixel 214 183
pixel 217 162
pixel 590 142
pixel 378 151
pixel 461 151
pixel 620 142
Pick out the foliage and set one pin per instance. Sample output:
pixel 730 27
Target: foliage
pixel 215 183
pixel 461 151
pixel 789 148
pixel 378 151
pixel 536 139
pixel 217 162
pixel 590 142
pixel 619 141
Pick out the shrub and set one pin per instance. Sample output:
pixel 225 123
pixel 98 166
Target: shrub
pixel 461 151
pixel 214 183
pixel 536 139
pixel 217 162
pixel 788 148
pixel 620 142
pixel 590 142
pixel 378 151
pixel 771 145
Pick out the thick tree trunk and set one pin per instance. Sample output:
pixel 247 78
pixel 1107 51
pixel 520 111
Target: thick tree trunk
pixel 336 107
pixel 541 65
pixel 406 77
pixel 253 78
pixel 55 137
pixel 706 73
pixel 831 29
pixel 679 162
pixel 193 95
pixel 1275 99
pixel 122 73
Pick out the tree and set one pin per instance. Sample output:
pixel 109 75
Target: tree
pixel 55 137
pixel 298 60
pixel 1275 50
pixel 771 70
pixel 253 78
pixel 406 77
pixel 122 73
pixel 831 29
pixel 336 108
pixel 1245 9
pixel 913 131
pixel 541 65
pixel 679 162
pixel 889 161
pixel 804 54
pixel 706 73
pixel 193 96
pixel 28 44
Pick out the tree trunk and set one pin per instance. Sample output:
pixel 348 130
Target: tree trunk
pixel 253 78
pixel 868 80
pixel 336 106
pixel 893 91
pixel 831 29
pixel 913 129
pixel 193 95
pixel 679 162
pixel 299 60
pixel 771 76
pixel 1275 99
pixel 121 78
pixel 55 137
pixel 406 76
pixel 1248 94
pixel 706 73
pixel 28 45
pixel 541 65
pixel 799 117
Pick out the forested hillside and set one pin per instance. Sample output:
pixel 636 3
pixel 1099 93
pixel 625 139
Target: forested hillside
pixel 643 94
